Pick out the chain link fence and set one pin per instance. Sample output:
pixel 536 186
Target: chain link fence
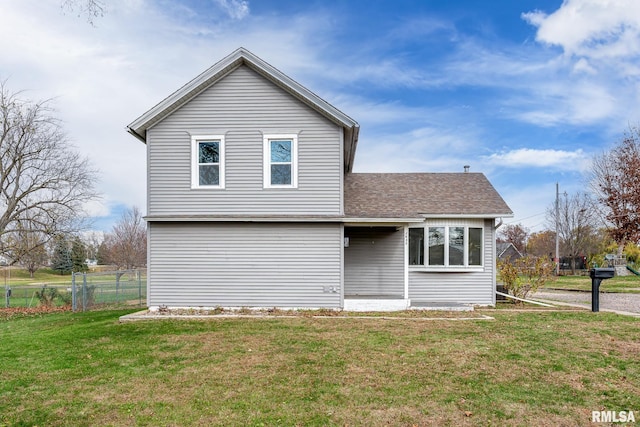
pixel 84 292
pixel 122 287
pixel 37 294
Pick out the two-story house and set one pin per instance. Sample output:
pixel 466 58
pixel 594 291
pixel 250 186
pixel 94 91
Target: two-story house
pixel 252 203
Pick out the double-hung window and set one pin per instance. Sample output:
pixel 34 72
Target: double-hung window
pixel 207 161
pixel 455 246
pixel 280 161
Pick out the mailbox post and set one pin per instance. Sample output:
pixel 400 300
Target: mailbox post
pixel 597 276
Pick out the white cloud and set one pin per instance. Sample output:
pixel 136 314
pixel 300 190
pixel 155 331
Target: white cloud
pixel 102 77
pixel 548 158
pixel 236 9
pixel 591 28
pixel 577 102
pixel 583 66
pixel 429 148
pixel 420 27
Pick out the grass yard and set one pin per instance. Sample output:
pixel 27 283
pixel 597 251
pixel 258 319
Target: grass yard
pixel 524 368
pixel 19 276
pixel 630 284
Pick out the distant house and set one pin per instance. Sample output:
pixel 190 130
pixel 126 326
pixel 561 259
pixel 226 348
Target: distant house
pixel 252 202
pixel 507 251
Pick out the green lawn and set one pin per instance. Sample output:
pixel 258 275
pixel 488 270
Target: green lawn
pixel 531 368
pixel 44 275
pixel 616 284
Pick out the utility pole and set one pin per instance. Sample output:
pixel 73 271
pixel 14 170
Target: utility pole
pixel 557 229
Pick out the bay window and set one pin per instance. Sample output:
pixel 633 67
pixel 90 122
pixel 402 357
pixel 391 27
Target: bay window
pixel 454 246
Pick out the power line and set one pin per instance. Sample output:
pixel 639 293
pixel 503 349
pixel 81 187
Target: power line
pixel 522 219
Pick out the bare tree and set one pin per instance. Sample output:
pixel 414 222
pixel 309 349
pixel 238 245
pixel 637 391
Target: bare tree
pixel 577 222
pixel 126 245
pixel 91 9
pixel 28 247
pixel 44 182
pixel 616 181
pixel 92 242
pixel 515 234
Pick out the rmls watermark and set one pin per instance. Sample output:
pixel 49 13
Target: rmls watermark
pixel 613 417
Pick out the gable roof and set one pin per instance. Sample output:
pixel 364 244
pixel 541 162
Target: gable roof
pixel 419 195
pixel 502 247
pixel 239 57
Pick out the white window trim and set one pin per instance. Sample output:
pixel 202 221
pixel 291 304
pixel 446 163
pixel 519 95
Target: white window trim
pixel 266 154
pixel 195 169
pixel 446 267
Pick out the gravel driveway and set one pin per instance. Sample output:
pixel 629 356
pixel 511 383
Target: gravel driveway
pixel 610 301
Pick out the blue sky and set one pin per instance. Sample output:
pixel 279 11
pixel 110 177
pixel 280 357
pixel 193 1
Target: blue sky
pixel 523 91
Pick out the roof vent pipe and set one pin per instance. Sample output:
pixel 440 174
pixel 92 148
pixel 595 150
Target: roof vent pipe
pixel 466 168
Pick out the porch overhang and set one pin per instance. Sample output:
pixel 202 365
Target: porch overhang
pixel 355 222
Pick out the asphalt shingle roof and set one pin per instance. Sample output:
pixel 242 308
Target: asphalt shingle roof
pixel 413 195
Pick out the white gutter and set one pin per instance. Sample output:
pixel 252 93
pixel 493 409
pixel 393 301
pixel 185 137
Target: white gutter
pixel 280 218
pixel 478 216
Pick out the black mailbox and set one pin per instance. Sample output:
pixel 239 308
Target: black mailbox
pixel 602 273
pixel 597 276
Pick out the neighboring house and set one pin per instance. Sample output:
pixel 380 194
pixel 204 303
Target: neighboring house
pixel 507 251
pixel 252 203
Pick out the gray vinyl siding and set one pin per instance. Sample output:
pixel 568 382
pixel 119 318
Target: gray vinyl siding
pixel 374 262
pixel 465 287
pixel 209 264
pixel 243 106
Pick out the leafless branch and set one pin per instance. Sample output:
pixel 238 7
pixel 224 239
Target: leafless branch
pixel 126 244
pixel 577 224
pixel 44 183
pixel 91 9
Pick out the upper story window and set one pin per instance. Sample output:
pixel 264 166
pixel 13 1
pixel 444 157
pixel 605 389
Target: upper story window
pixel 207 158
pixel 280 161
pixel 446 246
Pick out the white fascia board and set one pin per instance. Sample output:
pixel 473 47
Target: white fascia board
pixel 280 78
pixel 186 92
pixel 139 126
pixel 231 218
pixel 476 216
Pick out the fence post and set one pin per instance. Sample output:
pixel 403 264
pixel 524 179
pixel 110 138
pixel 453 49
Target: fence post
pixel 74 301
pixel 117 286
pixel 84 291
pixel 139 288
